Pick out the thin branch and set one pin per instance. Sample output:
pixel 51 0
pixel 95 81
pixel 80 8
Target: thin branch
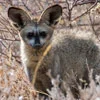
pixel 12 56
pixel 87 2
pixel 3 44
pixel 25 6
pixel 74 4
pixel 9 39
pixel 92 26
pixel 85 11
pixel 40 6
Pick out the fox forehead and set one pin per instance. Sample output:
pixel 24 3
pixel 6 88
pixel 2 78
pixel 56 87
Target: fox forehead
pixel 36 27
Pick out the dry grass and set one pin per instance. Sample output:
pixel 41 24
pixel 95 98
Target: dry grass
pixel 14 85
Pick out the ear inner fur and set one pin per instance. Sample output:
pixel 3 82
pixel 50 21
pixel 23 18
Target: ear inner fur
pixel 18 16
pixel 49 13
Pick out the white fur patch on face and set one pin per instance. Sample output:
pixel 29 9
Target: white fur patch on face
pixel 31 42
pixel 42 41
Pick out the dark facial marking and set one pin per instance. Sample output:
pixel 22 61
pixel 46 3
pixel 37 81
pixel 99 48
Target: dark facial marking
pixel 37 40
pixel 30 35
pixel 43 34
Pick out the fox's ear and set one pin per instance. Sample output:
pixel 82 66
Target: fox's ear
pixel 18 16
pixel 51 15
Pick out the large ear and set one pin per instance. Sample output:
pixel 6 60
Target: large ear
pixel 51 15
pixel 18 16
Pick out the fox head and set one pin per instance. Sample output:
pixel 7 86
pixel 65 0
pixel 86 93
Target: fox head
pixel 36 33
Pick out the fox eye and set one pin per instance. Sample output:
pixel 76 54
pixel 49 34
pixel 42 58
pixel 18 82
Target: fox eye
pixel 30 35
pixel 43 34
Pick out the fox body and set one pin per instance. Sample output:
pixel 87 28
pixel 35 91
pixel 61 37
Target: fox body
pixel 72 52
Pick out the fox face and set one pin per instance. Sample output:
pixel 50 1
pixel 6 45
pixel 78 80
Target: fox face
pixel 35 33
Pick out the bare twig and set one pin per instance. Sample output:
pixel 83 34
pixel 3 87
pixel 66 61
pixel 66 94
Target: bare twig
pixel 9 39
pixel 92 26
pixel 25 6
pixel 85 11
